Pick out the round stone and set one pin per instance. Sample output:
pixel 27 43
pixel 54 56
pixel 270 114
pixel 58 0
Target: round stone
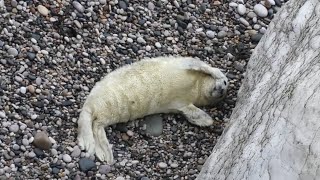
pixel 13 51
pixel 158 45
pixel 66 158
pixel 76 151
pixel 32 154
pixel 222 34
pixel 272 2
pixel 23 90
pixel 260 10
pixel 43 10
pixel 241 9
pixel 174 165
pixel 151 5
pixel 210 34
pixel 25 142
pixel 162 165
pixel 148 48
pixel 14 128
pixel 86 164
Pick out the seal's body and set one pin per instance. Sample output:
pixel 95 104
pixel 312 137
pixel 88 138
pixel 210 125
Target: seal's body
pixel 150 86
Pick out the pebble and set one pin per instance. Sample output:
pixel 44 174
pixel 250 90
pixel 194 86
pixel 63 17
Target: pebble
pixel 31 154
pixel 42 141
pixel 2 114
pixel 23 90
pixel 222 34
pixel 25 142
pixel 272 2
pixel 78 6
pixel 123 5
pixel 76 151
pixel 141 40
pixel 130 133
pixel 43 10
pixel 86 164
pixel 104 169
pixel 66 158
pixel 13 51
pixel 120 178
pixel 241 9
pixel 260 10
pixel 158 45
pixel 151 5
pixel 210 34
pixel 31 55
pixel 162 165
pixel 154 125
pixel 174 165
pixel 14 128
pixel 244 21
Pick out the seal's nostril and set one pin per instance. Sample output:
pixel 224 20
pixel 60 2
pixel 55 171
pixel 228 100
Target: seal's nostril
pixel 225 83
pixel 221 91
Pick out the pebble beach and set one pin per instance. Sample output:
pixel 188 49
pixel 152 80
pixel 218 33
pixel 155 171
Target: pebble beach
pixel 53 52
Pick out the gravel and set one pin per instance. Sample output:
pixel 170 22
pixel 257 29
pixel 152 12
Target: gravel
pixel 53 52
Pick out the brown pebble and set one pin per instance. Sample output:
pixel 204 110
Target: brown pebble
pixel 31 89
pixel 42 141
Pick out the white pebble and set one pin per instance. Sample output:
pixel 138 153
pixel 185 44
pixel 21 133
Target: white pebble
pixel 130 133
pixel 33 40
pixel 174 165
pixel 23 90
pixel 162 165
pixel 66 158
pixel 260 10
pixel 43 10
pixel 210 34
pixel 272 2
pixel 233 4
pixel 148 48
pixel 14 128
pixel 2 114
pixel 241 9
pixel 158 45
pixel 25 142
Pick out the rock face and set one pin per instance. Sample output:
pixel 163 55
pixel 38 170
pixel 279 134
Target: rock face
pixel 273 132
pixel 42 141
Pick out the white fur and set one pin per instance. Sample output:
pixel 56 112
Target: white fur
pixel 150 86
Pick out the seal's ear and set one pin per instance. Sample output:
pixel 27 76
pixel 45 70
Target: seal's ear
pixel 199 66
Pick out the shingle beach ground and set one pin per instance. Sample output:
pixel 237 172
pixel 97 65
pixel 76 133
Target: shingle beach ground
pixel 53 52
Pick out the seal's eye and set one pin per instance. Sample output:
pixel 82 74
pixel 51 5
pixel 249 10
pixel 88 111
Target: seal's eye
pixel 225 83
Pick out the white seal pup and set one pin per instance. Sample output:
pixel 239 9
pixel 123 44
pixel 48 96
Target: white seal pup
pixel 150 86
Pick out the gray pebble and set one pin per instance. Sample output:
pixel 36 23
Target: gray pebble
pixel 104 169
pixel 13 51
pixel 141 40
pixel 78 6
pixel 162 165
pixel 76 151
pixel 66 158
pixel 244 21
pixel 260 10
pixel 210 34
pixel 25 142
pixel 2 114
pixel 16 147
pixel 222 34
pixel 32 154
pixel 150 5
pixel 86 164
pixel 123 5
pixel 14 128
pixel 241 9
